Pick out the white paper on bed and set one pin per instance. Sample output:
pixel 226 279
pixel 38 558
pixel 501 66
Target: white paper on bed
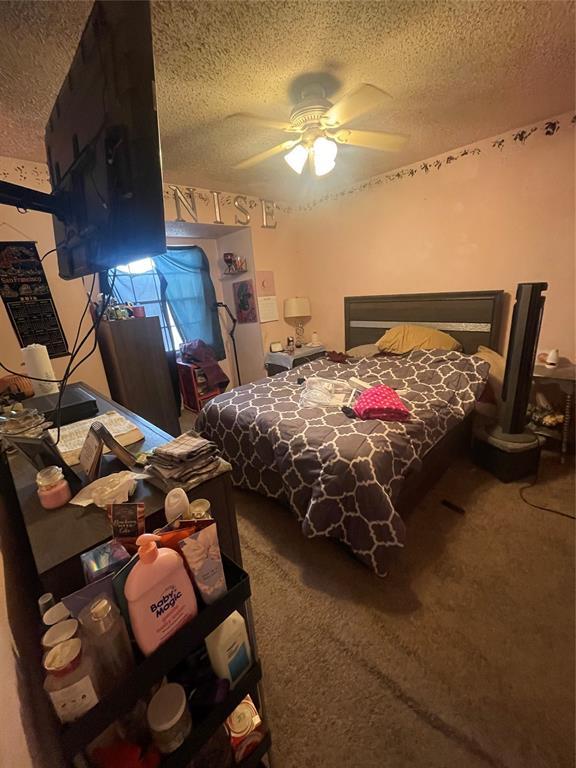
pixel 72 436
pixel 327 393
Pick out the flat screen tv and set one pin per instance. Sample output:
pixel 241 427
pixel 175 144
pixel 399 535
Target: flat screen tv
pixel 102 145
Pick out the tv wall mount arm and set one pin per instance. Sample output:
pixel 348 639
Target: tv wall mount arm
pixel 27 199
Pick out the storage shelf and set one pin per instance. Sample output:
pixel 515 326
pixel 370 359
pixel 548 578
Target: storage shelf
pixel 233 274
pixel 254 758
pixel 203 729
pixel 137 684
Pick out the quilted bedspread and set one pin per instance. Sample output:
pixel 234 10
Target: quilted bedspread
pixel 341 476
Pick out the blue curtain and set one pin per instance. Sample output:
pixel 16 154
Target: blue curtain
pixel 190 294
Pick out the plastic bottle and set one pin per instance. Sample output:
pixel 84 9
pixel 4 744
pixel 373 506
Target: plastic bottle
pixel 229 649
pixel 109 641
pixel 159 592
pixel 176 505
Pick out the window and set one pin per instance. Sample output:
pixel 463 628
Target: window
pixel 177 288
pixel 140 283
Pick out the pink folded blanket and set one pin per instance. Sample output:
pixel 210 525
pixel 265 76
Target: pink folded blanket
pixel 381 402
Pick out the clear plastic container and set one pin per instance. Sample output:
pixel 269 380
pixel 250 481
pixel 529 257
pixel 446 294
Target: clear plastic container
pixel 109 642
pixel 326 393
pixel 169 718
pixel 53 488
pixel 71 681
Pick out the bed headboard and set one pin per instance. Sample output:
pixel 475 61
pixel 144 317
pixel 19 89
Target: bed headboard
pixel 471 317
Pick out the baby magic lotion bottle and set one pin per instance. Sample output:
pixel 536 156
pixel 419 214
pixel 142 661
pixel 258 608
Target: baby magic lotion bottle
pixel 159 593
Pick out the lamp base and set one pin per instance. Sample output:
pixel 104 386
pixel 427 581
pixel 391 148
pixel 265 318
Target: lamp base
pixel 299 334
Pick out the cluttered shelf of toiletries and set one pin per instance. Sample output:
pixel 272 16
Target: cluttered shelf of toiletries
pixel 79 733
pixel 182 597
pixel 56 555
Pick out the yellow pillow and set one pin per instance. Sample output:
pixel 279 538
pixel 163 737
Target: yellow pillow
pixel 496 372
pixel 405 338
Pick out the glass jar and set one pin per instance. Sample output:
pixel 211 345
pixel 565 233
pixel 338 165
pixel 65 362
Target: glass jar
pixel 71 680
pixel 169 718
pixel 53 488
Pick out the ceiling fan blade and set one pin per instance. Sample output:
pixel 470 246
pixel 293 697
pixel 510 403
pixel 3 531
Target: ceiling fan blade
pixel 387 142
pixel 261 156
pixel 263 121
pixel 356 103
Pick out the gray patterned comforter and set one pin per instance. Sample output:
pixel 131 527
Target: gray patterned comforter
pixel 341 476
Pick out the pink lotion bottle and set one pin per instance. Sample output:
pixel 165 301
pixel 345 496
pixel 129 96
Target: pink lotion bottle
pixel 160 594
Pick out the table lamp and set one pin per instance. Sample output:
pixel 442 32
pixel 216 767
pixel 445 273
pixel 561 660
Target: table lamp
pixel 298 308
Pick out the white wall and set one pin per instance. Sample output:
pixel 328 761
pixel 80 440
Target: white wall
pixel 486 221
pixel 248 335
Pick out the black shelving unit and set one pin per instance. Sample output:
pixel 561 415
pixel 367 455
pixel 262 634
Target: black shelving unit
pixel 76 736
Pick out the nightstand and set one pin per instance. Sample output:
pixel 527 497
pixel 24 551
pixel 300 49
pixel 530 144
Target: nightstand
pixel 278 362
pixel 565 377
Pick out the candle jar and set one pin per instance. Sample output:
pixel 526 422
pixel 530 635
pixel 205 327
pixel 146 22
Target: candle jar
pixel 53 488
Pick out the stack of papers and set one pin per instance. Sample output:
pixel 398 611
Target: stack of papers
pixel 185 462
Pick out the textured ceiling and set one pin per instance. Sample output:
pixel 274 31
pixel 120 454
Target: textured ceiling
pixel 457 71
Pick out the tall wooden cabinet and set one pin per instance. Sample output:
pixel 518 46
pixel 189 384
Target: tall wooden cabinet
pixel 137 370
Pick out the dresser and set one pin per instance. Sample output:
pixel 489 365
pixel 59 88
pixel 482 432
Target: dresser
pixel 137 370
pixel 279 362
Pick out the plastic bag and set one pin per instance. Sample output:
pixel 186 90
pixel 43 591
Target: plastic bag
pixel 326 393
pixel 112 489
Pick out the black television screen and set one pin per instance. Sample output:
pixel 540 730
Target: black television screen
pixel 103 147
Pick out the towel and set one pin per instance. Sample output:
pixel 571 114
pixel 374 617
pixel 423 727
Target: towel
pixel 185 462
pixel 381 402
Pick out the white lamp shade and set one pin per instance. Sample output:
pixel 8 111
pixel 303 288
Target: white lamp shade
pixel 297 307
pixel 297 157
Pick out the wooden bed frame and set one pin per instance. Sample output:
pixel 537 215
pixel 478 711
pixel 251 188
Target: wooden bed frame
pixel 471 317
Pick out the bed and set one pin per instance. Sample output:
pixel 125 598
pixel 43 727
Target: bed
pixel 350 479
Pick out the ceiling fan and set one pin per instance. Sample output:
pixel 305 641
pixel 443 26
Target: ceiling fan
pixel 319 126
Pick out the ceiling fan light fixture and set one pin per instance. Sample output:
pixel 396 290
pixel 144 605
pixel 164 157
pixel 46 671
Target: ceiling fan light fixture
pixel 297 157
pixel 325 151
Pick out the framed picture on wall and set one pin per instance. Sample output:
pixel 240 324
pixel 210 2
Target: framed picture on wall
pixel 245 302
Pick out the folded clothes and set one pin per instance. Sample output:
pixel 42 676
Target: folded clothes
pixel 185 462
pixel 185 447
pixel 381 402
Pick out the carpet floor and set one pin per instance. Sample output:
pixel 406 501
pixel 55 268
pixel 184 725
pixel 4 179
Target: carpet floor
pixel 462 657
